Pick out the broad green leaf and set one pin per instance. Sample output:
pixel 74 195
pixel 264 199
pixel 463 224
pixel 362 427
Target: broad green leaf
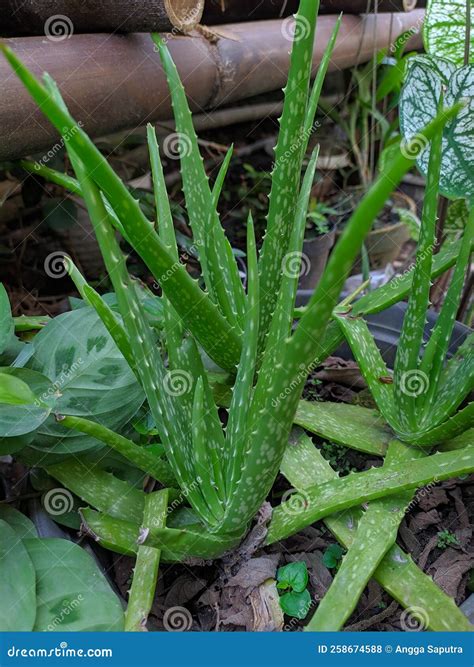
pixel 14 391
pixel 21 524
pixel 17 583
pixel 6 320
pixel 419 103
pixel 72 594
pixel 89 375
pixel 397 572
pixel 294 576
pixel 296 604
pixel 18 420
pixel 444 30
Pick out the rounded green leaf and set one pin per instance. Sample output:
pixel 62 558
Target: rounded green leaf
pixel 72 593
pixel 296 604
pixel 17 583
pixel 419 102
pixel 90 376
pixel 294 576
pixel 27 416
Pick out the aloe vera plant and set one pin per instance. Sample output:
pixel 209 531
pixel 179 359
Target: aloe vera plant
pixel 222 476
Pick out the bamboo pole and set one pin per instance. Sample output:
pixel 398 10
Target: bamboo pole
pixel 228 11
pixel 58 19
pixel 115 82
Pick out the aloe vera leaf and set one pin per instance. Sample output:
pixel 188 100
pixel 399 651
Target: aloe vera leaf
pixel 351 425
pixel 236 289
pixel 322 500
pixel 449 429
pixel 459 442
pixel 457 379
pixel 100 489
pixel 202 462
pixel 296 357
pixel 376 534
pixel 397 572
pixel 52 176
pixel 214 333
pixel 437 348
pixel 236 431
pixel 199 202
pixel 176 545
pixel 411 337
pixel 371 363
pixel 104 311
pixel 145 574
pixel 224 271
pixel 261 458
pixel 149 364
pixel 173 325
pixel 139 456
pixel 319 81
pixel 286 174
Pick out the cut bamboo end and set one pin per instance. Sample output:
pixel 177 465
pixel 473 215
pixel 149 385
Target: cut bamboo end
pixel 184 14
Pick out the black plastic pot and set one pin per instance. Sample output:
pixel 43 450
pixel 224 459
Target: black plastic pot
pixel 386 327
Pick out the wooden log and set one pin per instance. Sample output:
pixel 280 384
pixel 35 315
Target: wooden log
pixel 115 82
pixel 228 11
pixel 59 19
